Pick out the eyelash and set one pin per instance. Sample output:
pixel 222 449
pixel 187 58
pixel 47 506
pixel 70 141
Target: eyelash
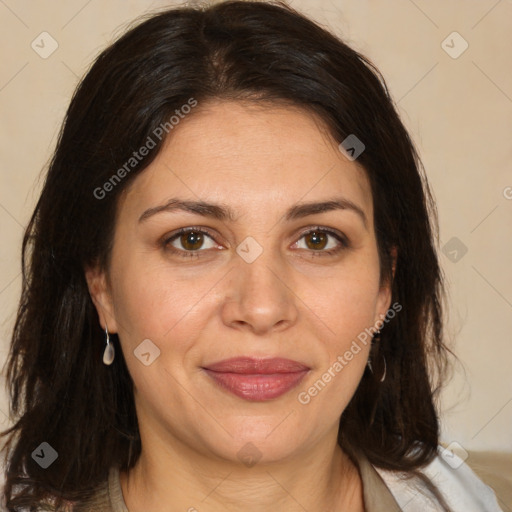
pixel 344 242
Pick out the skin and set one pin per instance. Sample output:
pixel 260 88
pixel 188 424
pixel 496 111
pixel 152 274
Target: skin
pixel 290 302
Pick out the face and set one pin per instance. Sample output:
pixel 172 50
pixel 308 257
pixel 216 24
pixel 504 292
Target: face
pixel 272 281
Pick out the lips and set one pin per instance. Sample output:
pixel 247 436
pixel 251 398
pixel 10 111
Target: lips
pixel 257 379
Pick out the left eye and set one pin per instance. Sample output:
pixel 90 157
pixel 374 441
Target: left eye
pixel 318 240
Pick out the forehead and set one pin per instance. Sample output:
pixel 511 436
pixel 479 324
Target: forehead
pixel 253 157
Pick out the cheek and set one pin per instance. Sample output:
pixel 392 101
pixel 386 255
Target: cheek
pixel 154 301
pixel 329 391
pixel 346 301
pixel 345 312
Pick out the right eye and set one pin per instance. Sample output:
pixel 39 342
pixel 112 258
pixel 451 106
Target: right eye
pixel 191 240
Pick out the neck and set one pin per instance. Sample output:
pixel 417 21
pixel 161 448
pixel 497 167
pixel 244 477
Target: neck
pixel 315 481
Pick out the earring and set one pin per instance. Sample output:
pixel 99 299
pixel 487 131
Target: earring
pixel 109 354
pixel 383 378
pixel 376 339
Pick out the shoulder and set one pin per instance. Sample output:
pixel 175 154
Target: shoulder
pixel 455 481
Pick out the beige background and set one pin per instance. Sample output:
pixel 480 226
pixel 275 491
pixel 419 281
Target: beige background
pixel 459 111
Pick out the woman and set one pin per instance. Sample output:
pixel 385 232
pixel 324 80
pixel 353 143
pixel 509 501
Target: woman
pixel 232 299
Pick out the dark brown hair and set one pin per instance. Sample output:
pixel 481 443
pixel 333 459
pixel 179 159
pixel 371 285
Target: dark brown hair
pixel 60 391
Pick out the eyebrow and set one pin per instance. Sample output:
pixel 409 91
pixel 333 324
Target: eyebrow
pixel 225 213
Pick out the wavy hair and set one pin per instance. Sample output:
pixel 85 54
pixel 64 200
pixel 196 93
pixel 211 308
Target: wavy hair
pixel 60 391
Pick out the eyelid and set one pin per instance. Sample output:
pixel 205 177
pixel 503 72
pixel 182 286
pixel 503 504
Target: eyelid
pixel 331 231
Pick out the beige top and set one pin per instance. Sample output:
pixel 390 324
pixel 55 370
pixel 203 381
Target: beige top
pixel 377 496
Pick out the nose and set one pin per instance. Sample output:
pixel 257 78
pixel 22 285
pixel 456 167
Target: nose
pixel 260 295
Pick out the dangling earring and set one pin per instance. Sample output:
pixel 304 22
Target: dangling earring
pixel 109 354
pixel 376 339
pixel 383 378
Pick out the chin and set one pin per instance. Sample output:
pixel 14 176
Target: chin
pixel 265 441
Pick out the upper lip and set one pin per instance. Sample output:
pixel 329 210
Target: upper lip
pixel 251 365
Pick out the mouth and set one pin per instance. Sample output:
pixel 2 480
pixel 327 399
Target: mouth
pixel 257 379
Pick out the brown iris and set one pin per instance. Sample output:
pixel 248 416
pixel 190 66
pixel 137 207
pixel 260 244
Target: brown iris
pixel 319 240
pixel 192 240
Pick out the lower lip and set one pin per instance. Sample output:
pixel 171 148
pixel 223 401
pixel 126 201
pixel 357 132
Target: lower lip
pixel 257 387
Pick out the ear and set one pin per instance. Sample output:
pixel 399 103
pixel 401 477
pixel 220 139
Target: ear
pixel 385 292
pixel 101 296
